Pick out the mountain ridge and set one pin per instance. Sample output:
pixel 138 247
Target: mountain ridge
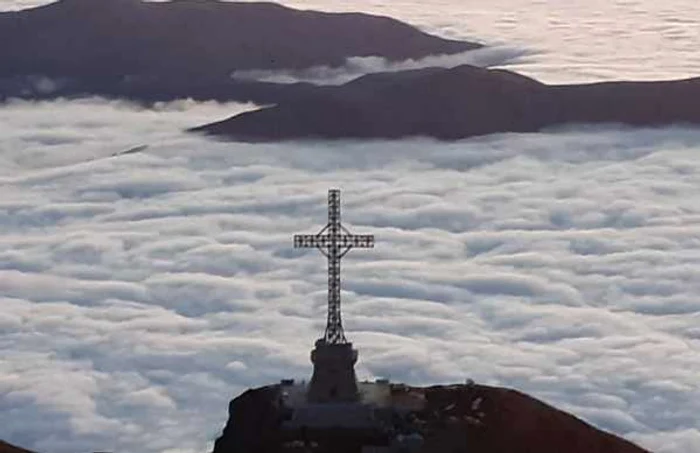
pixel 188 48
pixel 460 102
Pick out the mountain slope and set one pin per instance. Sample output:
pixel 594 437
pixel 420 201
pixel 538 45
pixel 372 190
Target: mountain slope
pixel 461 102
pixel 196 38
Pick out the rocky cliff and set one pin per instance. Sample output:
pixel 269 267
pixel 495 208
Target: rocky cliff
pixel 456 419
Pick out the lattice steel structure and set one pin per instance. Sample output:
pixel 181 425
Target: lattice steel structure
pixel 334 241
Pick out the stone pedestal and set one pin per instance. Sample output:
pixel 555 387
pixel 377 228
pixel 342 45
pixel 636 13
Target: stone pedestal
pixel 334 378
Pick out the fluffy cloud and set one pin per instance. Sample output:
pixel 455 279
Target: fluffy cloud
pixel 358 66
pixel 598 40
pixel 141 292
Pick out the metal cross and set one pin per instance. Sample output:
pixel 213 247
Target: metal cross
pixel 334 241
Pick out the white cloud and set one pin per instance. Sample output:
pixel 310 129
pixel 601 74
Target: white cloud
pixel 575 42
pixel 491 56
pixel 140 293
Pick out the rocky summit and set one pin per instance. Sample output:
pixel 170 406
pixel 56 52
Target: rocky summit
pixel 466 418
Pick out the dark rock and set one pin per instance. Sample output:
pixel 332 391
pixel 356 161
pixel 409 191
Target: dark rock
pixel 513 422
pixel 253 420
pixel 460 102
pixel 9 448
pixel 187 48
pixel 634 103
pixel 457 419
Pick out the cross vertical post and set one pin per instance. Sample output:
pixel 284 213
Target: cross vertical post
pixel 334 325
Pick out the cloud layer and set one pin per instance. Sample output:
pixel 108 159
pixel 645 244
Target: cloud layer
pixel 487 57
pixel 574 41
pixel 140 293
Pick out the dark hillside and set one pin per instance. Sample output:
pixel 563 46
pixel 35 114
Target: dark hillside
pixel 121 46
pixel 466 101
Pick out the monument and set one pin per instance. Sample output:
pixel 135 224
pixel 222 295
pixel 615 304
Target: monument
pixel 335 412
pixel 333 357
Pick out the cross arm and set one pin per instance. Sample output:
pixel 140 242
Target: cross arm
pixel 363 241
pixel 323 240
pixel 309 240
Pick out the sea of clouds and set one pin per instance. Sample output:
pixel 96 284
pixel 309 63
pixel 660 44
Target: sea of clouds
pixel 140 293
